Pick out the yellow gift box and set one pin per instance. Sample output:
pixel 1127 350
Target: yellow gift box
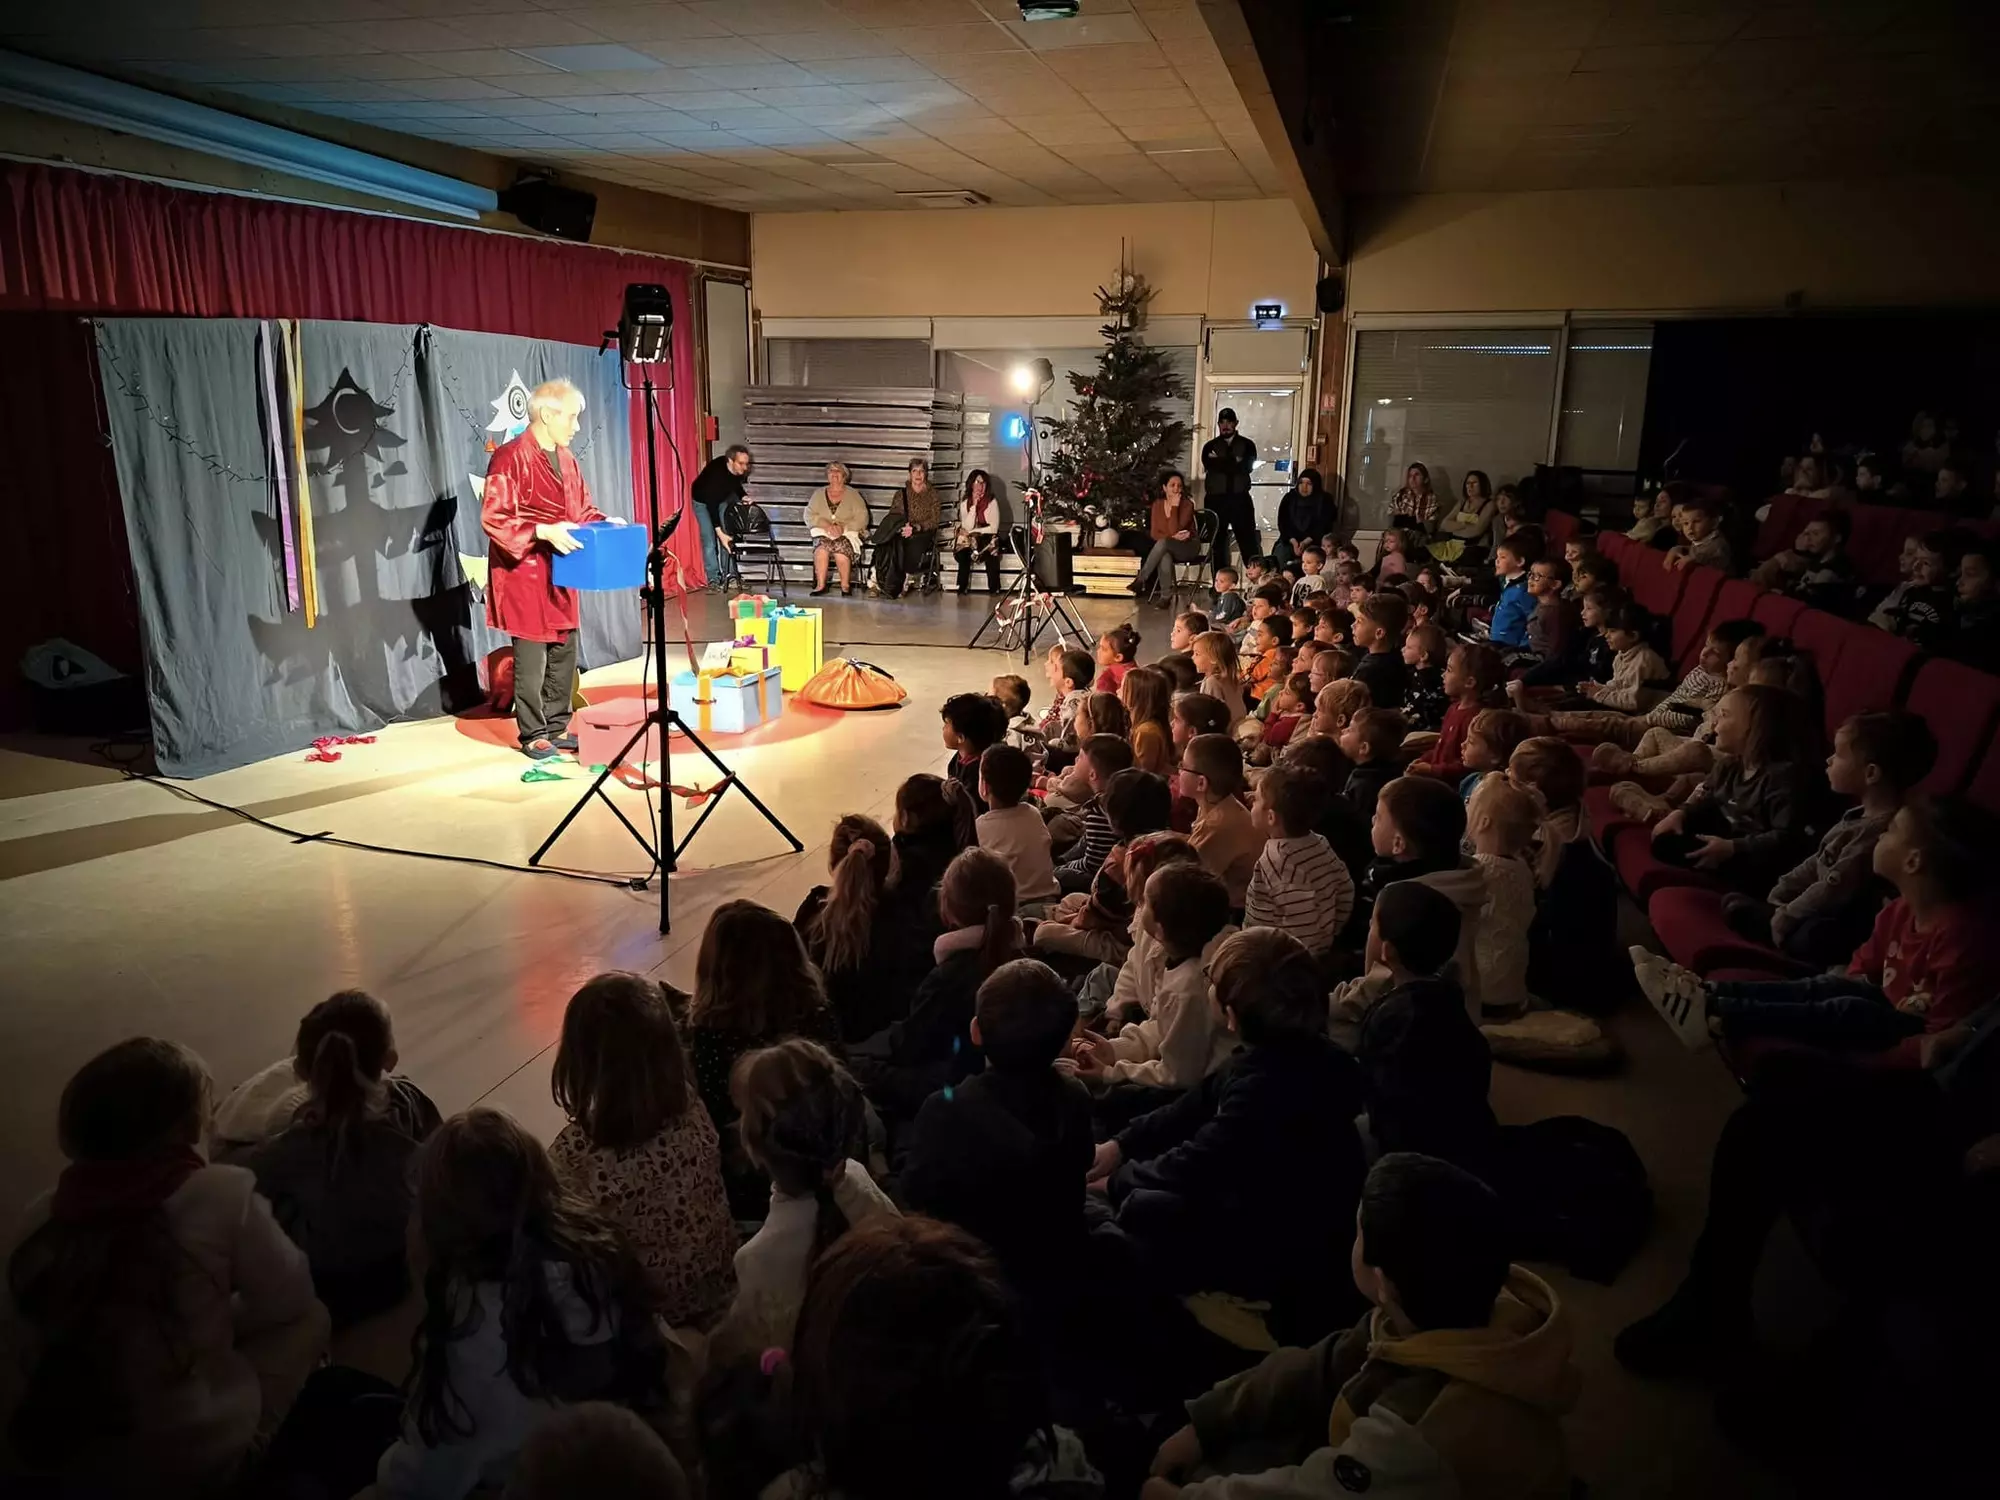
pixel 797 640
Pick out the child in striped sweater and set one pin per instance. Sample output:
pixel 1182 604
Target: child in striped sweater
pixel 1103 757
pixel 1299 885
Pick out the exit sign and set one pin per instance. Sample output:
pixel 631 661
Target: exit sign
pixel 1268 312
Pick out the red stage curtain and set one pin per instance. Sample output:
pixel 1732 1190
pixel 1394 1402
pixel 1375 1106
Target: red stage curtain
pixel 89 244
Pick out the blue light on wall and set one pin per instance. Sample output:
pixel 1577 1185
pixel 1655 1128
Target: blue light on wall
pixel 1014 429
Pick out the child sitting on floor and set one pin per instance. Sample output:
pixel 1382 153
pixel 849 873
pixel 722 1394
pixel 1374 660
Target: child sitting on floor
pixel 1229 843
pixel 161 1323
pixel 1103 757
pixel 1069 789
pixel 1011 828
pixel 971 723
pixel 1334 708
pixel 1177 1041
pixel 1471 674
pixel 1004 1155
pixel 1427 700
pixel 1501 822
pixel 1287 715
pixel 1418 827
pixel 1246 1184
pixel 1262 644
pixel 1215 658
pixel 1636 668
pixel 1187 625
pixel 1932 960
pixel 1014 693
pixel 1096 925
pixel 1458 1378
pixel 1228 601
pixel 804 1122
pixel 1370 741
pixel 1117 654
pixel 1378 630
pixel 1070 674
pixel 1299 885
pixel 1426 1069
pixel 1490 742
pixel 1820 911
pixel 1755 813
pixel 1148 696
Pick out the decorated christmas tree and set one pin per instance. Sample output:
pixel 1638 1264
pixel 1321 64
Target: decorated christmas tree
pixel 1110 451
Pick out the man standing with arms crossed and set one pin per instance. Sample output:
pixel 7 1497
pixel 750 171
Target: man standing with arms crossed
pixel 1226 464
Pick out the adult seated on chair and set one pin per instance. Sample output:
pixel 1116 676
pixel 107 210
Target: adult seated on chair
pixel 908 532
pixel 980 530
pixel 1306 517
pixel 837 519
pixel 1174 540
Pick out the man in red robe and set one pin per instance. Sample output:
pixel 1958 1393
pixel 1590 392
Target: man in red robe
pixel 534 495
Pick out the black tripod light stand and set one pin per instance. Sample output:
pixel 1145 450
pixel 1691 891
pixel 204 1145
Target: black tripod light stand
pixel 1016 611
pixel 644 337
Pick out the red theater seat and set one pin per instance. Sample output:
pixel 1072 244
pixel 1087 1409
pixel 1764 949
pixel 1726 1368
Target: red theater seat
pixel 1692 614
pixel 1631 851
pixel 1559 526
pixel 1874 666
pixel 1962 707
pixel 1777 613
pixel 1652 583
pixel 1688 921
pixel 1606 821
pixel 1985 788
pixel 1618 547
pixel 1781 523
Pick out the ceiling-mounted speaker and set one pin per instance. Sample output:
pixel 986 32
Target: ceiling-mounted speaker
pixel 1331 293
pixel 542 205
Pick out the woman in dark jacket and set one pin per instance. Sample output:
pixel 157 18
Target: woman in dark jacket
pixel 907 532
pixel 1306 518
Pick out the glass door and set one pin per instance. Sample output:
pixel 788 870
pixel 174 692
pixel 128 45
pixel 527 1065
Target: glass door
pixel 1266 414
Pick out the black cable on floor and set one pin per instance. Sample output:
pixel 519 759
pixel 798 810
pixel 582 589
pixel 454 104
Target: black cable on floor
pixel 622 882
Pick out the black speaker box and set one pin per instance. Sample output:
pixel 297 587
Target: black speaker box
pixel 566 213
pixel 1331 293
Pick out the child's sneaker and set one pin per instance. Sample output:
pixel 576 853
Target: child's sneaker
pixel 1635 801
pixel 1677 994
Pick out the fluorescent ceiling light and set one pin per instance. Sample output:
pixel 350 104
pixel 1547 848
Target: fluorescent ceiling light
pixel 71 94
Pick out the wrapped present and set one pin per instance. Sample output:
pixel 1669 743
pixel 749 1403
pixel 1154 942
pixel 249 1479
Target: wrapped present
pixel 611 556
pixel 749 606
pixel 748 654
pixel 727 702
pixel 797 639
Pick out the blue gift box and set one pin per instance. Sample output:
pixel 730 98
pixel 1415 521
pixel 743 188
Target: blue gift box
pixel 727 703
pixel 611 557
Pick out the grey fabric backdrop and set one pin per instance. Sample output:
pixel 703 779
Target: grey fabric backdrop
pixel 394 438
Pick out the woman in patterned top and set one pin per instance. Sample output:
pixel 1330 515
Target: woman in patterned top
pixel 641 1144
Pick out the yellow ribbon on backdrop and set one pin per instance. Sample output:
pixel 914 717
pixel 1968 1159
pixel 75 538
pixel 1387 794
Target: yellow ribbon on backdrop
pixel 295 374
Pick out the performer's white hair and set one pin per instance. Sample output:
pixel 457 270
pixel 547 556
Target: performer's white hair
pixel 550 395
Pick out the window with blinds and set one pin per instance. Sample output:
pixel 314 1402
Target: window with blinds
pixel 1604 395
pixel 1452 400
pixel 846 363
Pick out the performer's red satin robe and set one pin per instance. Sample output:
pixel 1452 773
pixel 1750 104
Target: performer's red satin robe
pixel 521 494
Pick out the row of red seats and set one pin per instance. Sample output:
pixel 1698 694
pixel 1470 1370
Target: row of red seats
pixel 1876 542
pixel 1861 668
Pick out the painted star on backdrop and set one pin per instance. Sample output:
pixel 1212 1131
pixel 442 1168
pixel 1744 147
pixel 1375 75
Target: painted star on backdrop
pixel 347 424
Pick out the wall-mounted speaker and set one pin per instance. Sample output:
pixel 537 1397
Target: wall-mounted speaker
pixel 541 204
pixel 1331 293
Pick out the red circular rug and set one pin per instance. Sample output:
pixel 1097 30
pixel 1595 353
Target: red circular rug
pixel 799 720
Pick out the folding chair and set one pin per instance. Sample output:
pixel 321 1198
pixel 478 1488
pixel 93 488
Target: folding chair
pixel 1206 524
pixel 759 549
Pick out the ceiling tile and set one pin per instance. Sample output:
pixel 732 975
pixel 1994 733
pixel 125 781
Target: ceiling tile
pixel 396 36
pixel 298 41
pixel 820 46
pixel 531 29
pixel 645 23
pixel 868 70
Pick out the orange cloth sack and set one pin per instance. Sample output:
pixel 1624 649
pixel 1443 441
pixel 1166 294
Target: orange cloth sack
pixel 853 685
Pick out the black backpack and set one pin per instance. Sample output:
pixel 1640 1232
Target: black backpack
pixel 1576 1194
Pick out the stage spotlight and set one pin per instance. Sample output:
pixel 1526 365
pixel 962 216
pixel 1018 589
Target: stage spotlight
pixel 1033 379
pixel 646 328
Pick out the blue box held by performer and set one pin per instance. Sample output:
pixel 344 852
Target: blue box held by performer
pixel 612 557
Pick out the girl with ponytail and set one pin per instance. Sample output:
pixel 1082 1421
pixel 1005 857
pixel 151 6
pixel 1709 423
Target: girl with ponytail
pixel 934 1048
pixel 804 1122
pixel 337 1173
pixel 871 952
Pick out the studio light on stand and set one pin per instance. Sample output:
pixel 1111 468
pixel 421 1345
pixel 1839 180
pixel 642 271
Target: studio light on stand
pixel 1016 611
pixel 645 337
